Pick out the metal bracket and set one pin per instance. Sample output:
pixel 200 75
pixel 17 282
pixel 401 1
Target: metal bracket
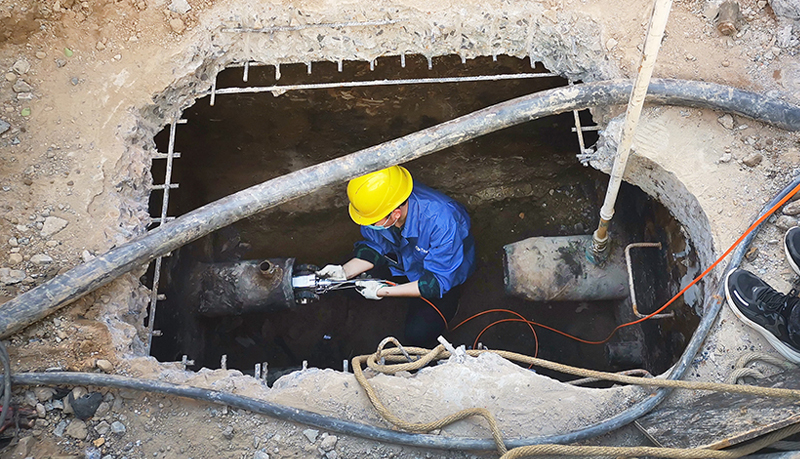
pixel 630 279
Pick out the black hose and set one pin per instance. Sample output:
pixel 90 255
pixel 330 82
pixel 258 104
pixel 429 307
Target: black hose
pixel 6 360
pixel 45 299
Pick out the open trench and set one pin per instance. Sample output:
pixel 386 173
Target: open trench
pixel 516 183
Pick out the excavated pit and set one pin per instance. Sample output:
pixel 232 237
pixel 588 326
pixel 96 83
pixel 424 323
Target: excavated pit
pixel 517 183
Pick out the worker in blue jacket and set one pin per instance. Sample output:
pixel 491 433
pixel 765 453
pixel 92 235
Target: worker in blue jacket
pixel 424 238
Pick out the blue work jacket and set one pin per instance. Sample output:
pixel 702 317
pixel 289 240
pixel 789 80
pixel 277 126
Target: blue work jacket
pixel 435 238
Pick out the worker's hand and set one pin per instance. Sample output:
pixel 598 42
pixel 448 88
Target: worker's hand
pixel 369 288
pixel 332 272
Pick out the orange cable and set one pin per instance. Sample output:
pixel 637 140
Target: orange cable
pixel 437 310
pixel 425 300
pixel 475 344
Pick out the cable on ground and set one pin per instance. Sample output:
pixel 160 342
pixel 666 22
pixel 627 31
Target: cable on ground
pixel 285 413
pixel 344 427
pixel 6 360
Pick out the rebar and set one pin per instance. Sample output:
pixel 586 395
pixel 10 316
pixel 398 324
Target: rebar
pixel 385 82
pixel 332 25
pixel 155 297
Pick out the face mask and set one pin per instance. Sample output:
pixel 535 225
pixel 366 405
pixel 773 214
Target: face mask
pixel 381 228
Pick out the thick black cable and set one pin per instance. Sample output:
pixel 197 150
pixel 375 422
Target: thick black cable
pixel 711 310
pixel 6 360
pixel 282 412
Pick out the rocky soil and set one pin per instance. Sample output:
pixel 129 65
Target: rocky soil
pixel 86 85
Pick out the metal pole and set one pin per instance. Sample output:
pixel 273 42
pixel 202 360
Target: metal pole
pixel 213 97
pixel 631 287
pixel 355 84
pixel 655 33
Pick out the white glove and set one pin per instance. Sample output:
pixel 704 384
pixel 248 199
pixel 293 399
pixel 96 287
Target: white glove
pixel 332 272
pixel 369 288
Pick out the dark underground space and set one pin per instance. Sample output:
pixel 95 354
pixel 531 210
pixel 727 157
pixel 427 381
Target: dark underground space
pixel 517 183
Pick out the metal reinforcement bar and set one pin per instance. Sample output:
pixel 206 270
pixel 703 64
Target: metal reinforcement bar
pixel 45 299
pixel 327 25
pixel 385 82
pixel 163 218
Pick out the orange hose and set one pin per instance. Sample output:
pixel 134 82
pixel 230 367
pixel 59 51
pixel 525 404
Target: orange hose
pixel 437 310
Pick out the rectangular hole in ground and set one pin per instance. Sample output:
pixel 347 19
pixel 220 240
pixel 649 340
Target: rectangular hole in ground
pixel 520 182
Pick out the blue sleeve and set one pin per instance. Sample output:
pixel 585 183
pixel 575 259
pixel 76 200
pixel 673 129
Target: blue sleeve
pixel 367 253
pixel 446 252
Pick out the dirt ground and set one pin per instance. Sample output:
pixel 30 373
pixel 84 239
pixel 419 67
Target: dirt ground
pixel 86 86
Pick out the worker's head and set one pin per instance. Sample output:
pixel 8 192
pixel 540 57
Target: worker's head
pixel 375 197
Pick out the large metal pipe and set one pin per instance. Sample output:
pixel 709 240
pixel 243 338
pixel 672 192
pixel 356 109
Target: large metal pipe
pixel 37 303
pixel 241 287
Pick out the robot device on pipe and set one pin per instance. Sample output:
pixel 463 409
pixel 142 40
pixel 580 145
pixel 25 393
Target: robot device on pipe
pixel 270 285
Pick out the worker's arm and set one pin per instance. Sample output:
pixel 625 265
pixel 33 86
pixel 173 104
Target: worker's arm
pixel 356 266
pixel 410 289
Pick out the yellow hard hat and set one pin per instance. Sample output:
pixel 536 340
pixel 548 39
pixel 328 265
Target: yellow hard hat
pixel 375 195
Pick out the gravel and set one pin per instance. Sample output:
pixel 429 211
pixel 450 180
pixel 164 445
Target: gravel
pixel 53 225
pixel 77 429
pixel 10 276
pixel 59 430
pixel 311 434
pixel 21 67
pixel 793 208
pixel 118 427
pixel 41 259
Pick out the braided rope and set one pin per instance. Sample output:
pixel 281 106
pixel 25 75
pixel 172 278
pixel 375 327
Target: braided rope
pixel 439 352
pixel 428 426
pixel 775 361
pixel 740 373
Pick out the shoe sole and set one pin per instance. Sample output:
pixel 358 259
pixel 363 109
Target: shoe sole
pixel 782 348
pixel 789 257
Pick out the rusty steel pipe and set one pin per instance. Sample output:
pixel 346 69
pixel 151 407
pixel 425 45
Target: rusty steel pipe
pixel 56 293
pixel 241 287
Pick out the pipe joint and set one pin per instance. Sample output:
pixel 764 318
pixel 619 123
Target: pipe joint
pixel 598 252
